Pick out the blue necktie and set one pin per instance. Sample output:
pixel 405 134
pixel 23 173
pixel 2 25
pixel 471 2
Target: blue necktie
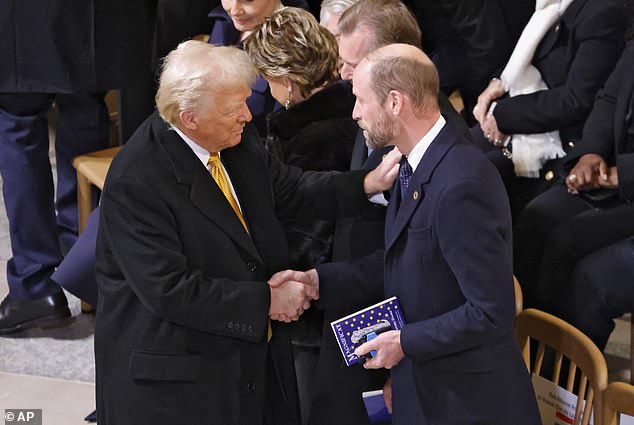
pixel 404 174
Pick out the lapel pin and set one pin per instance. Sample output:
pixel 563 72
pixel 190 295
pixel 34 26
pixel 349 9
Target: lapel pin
pixel 415 195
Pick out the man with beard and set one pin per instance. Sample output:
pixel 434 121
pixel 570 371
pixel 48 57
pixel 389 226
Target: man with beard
pixel 457 298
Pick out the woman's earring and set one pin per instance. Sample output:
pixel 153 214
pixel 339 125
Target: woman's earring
pixel 287 104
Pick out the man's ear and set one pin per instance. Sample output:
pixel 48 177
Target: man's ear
pixel 395 101
pixel 189 119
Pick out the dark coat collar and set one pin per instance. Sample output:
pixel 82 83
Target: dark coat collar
pixel 203 192
pixel 223 33
pixel 334 101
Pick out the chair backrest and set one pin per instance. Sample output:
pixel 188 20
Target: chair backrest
pixel 617 398
pixel 632 348
pixel 519 298
pixel 587 373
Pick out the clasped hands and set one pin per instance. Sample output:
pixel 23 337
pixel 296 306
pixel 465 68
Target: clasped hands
pixel 291 293
pixel 483 113
pixel 591 172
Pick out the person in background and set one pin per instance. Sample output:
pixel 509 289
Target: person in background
pixel 231 23
pixel 534 113
pixel 314 131
pixel 331 11
pixel 602 290
pixel 470 41
pixel 58 56
pixel 590 207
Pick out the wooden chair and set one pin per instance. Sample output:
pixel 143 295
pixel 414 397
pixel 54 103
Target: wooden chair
pixel 519 298
pixel 617 398
pixel 91 171
pixel 586 360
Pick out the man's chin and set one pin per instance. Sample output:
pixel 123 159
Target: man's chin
pixel 371 143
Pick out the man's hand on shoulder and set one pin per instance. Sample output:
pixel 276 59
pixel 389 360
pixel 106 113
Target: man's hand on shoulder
pixel 382 177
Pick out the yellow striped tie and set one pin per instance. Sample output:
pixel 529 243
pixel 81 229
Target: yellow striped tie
pixel 221 180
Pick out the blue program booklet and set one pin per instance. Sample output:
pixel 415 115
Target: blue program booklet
pixel 364 325
pixel 376 408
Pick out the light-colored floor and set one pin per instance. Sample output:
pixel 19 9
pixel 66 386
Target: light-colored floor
pixel 62 402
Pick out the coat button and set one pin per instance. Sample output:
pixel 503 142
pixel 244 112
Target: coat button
pixel 251 267
pixel 549 176
pixel 251 386
pixel 571 144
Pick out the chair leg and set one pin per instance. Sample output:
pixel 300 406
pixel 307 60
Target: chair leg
pixel 632 348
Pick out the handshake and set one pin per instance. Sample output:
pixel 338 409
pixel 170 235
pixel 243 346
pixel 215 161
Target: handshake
pixel 291 293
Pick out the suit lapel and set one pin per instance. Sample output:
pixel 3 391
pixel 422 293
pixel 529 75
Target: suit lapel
pixel 204 193
pixel 359 152
pixel 399 215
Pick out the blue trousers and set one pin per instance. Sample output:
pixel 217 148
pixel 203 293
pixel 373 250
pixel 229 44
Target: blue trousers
pixel 39 218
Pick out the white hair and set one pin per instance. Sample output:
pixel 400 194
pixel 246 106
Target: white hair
pixel 194 69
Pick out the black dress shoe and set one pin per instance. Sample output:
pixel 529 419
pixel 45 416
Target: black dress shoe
pixel 92 417
pixel 16 315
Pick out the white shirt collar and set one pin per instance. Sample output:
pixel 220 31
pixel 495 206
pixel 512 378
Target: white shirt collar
pixel 199 151
pixel 419 150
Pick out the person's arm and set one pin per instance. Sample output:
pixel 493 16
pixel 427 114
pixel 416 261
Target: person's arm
pixel 356 282
pixel 599 35
pixel 625 170
pixel 140 232
pixel 597 148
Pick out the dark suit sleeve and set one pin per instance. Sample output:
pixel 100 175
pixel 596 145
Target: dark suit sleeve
pixel 599 36
pixel 599 132
pixel 144 239
pixel 354 282
pixel 309 193
pixel 472 227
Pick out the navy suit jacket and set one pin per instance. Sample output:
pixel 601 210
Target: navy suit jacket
pixel 448 260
